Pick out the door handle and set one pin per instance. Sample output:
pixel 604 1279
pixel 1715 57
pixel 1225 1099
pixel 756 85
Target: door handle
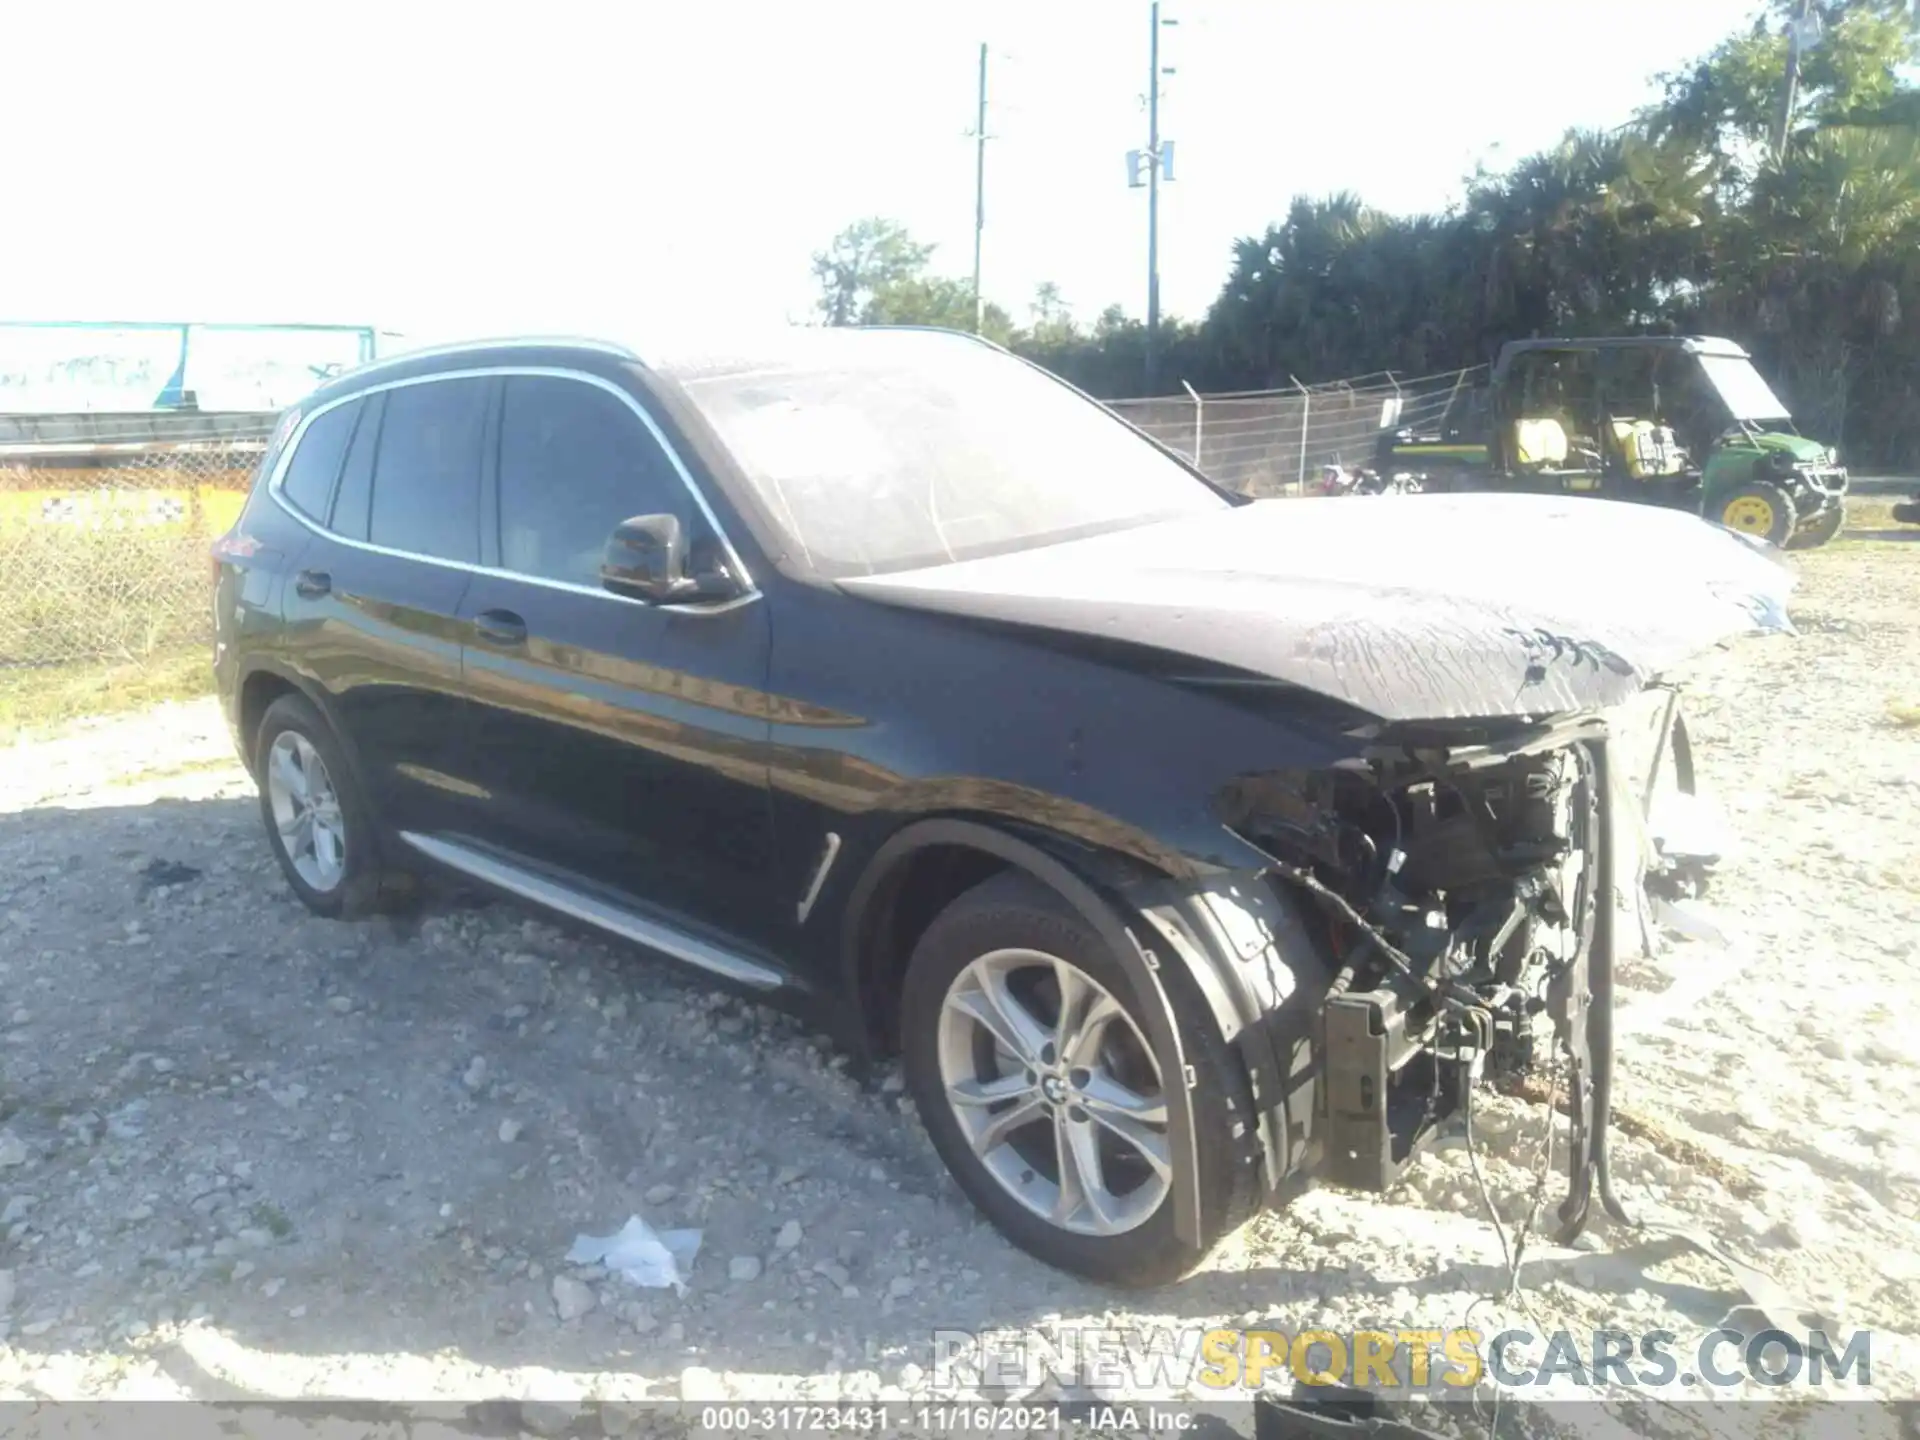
pixel 500 627
pixel 312 584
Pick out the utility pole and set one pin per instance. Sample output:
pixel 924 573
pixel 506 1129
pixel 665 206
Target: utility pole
pixel 980 193
pixel 1796 33
pixel 1153 204
pixel 1158 158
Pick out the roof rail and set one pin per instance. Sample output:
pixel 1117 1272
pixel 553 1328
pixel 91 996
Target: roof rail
pixel 461 347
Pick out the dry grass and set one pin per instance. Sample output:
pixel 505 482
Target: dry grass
pixel 36 701
pixel 1870 524
pixel 190 469
pixel 71 595
pixel 111 613
pixel 110 563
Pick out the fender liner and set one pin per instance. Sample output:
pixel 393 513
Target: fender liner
pixel 1265 979
pixel 1140 963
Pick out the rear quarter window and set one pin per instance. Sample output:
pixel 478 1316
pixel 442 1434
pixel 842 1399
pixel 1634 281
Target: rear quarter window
pixel 354 494
pixel 283 429
pixel 308 482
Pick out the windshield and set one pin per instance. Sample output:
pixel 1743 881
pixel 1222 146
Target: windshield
pixel 877 451
pixel 1741 389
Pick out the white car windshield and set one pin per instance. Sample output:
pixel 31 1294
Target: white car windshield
pixel 1746 395
pixel 889 450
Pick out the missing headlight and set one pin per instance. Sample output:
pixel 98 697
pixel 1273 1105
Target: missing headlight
pixel 1458 890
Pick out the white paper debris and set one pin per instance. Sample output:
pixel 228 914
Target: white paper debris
pixel 1691 919
pixel 1688 825
pixel 640 1256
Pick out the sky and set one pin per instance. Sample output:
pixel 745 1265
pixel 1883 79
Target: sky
pixel 635 166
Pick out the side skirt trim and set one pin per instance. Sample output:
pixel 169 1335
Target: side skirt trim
pixel 615 919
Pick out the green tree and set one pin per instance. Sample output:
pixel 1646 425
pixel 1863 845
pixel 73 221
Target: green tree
pixel 1052 321
pixel 1109 359
pixel 1812 253
pixel 867 257
pixel 934 300
pixel 1728 103
pixel 875 273
pixel 1686 217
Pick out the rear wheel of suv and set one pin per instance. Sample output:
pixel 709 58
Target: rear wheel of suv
pixel 1034 1077
pixel 320 827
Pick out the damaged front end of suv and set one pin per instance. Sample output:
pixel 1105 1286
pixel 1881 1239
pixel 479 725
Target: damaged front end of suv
pixel 1458 876
pixel 1480 791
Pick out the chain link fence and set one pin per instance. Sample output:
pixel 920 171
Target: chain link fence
pixel 105 522
pixel 104 533
pixel 1275 442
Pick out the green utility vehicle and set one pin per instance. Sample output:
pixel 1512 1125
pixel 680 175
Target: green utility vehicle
pixel 1670 420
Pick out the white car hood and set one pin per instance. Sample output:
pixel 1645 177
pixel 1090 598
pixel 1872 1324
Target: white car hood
pixel 1419 607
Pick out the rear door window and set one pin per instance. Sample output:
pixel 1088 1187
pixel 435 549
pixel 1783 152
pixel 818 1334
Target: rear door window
pixel 308 483
pixel 426 473
pixel 575 461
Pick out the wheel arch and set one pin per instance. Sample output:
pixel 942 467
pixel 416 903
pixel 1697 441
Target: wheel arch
pixel 870 964
pixel 264 681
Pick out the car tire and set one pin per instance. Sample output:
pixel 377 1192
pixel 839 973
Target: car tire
pixel 1757 508
pixel 333 861
pixel 1122 1238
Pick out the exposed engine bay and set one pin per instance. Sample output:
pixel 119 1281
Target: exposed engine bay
pixel 1460 881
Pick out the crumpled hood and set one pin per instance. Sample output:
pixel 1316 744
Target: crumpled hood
pixel 1409 607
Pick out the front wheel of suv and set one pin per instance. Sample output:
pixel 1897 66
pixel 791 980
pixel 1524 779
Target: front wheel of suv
pixel 1034 1077
pixel 320 826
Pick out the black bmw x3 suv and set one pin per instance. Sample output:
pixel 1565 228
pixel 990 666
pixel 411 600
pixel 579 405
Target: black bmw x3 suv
pixel 1179 844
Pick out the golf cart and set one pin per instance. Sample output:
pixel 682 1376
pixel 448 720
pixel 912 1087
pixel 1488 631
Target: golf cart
pixel 1670 420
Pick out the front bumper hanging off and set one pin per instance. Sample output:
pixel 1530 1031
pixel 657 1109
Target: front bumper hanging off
pixel 1392 1069
pixel 1351 1084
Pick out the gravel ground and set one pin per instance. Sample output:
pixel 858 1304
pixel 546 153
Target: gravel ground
pixel 245 1151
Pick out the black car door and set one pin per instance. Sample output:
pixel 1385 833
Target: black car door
pixel 620 745
pixel 378 589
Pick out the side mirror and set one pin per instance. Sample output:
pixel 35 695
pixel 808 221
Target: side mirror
pixel 646 558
